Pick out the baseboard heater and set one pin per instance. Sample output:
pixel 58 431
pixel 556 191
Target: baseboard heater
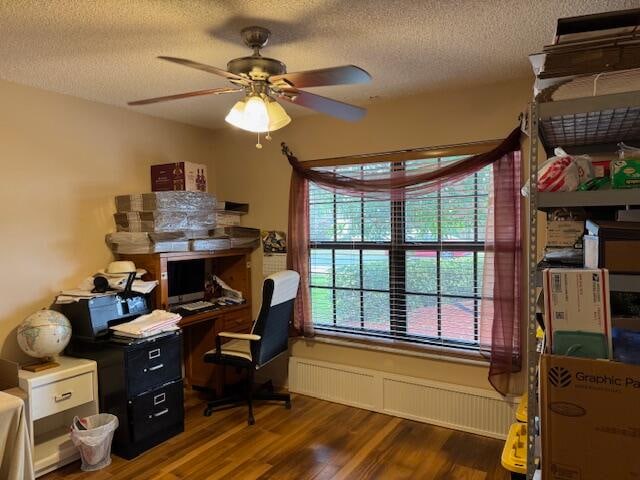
pixel 469 409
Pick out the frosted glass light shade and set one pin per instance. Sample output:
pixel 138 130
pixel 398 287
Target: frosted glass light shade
pixel 255 117
pixel 235 115
pixel 278 117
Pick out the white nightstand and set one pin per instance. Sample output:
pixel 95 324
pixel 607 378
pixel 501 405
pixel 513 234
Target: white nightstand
pixel 55 396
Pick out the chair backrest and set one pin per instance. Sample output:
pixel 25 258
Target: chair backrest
pixel 278 294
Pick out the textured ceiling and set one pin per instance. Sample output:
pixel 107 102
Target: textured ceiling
pixel 104 50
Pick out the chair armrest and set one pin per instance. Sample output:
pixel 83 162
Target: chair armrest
pixel 240 336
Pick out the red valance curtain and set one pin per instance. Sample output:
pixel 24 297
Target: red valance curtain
pixel 500 309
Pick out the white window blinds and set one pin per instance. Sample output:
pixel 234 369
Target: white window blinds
pixel 405 268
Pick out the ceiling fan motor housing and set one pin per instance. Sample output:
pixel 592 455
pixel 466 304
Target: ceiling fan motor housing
pixel 256 67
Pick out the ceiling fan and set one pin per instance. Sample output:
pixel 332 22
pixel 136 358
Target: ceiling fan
pixel 264 80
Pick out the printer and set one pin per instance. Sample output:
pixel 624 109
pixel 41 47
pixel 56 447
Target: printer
pixel 91 317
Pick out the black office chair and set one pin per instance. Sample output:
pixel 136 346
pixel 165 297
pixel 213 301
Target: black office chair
pixel 268 339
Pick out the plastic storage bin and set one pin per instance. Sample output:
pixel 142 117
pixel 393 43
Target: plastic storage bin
pixel 521 411
pixel 94 443
pixel 514 453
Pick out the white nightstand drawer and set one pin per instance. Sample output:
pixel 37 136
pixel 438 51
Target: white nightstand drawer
pixel 61 395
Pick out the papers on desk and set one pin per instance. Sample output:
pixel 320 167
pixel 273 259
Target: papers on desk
pixel 229 292
pixel 119 282
pixel 75 295
pixel 156 322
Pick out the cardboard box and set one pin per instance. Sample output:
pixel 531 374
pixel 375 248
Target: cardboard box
pixel 618 256
pixel 577 300
pixel 191 177
pixel 625 173
pixel 632 215
pixel 163 221
pixel 590 419
pixel 564 233
pixel 232 207
pixel 165 201
pixel 613 245
pixel 227 219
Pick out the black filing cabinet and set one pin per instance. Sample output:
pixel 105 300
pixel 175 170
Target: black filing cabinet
pixel 141 383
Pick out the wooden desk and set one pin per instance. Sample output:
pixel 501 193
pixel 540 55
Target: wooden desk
pixel 234 268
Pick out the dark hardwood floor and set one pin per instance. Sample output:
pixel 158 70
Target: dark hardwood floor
pixel 314 440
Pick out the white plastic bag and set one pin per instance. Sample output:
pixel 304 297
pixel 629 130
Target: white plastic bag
pixel 562 173
pixel 627 151
pixel 94 443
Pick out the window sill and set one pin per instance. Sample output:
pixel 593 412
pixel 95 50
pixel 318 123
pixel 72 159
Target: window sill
pixel 398 347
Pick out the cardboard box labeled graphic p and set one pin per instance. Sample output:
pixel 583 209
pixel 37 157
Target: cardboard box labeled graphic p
pixel 590 419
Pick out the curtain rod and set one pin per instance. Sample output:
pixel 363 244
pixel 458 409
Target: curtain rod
pixel 407 154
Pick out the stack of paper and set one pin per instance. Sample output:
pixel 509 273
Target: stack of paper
pixel 75 295
pixel 148 325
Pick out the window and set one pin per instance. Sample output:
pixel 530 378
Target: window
pixel 408 269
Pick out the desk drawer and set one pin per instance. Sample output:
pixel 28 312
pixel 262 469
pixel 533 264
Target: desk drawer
pixel 237 321
pixel 154 363
pixel 62 395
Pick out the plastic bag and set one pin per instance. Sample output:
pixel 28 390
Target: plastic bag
pixel 558 174
pixel 627 151
pixel 94 443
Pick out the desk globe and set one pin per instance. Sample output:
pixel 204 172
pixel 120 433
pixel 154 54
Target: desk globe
pixel 44 334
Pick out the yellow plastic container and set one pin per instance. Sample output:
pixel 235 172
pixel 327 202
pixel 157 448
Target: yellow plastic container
pixel 514 453
pixel 521 411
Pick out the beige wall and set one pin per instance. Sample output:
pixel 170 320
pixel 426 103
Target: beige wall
pixel 62 161
pixel 261 177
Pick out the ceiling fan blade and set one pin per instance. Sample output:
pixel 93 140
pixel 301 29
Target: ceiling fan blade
pixel 205 68
pixel 323 77
pixel 326 105
pixel 197 93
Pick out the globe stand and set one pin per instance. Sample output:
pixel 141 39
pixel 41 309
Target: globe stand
pixel 43 364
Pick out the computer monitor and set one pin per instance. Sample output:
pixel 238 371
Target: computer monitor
pixel 186 281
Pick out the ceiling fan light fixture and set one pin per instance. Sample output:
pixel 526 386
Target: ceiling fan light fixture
pixel 264 82
pixel 278 117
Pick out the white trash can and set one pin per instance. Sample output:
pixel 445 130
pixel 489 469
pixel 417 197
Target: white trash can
pixel 94 443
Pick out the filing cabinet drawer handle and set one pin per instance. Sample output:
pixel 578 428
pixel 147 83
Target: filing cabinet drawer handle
pixel 161 412
pixel 155 353
pixel 156 367
pixel 62 397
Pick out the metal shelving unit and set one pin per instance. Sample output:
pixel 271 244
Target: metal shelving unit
pixel 583 124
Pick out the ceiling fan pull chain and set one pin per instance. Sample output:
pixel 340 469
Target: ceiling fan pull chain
pixel 258 145
pixel 268 137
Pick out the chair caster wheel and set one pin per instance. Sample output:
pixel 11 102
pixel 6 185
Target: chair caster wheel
pixel 287 405
pixel 207 412
pixel 251 421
